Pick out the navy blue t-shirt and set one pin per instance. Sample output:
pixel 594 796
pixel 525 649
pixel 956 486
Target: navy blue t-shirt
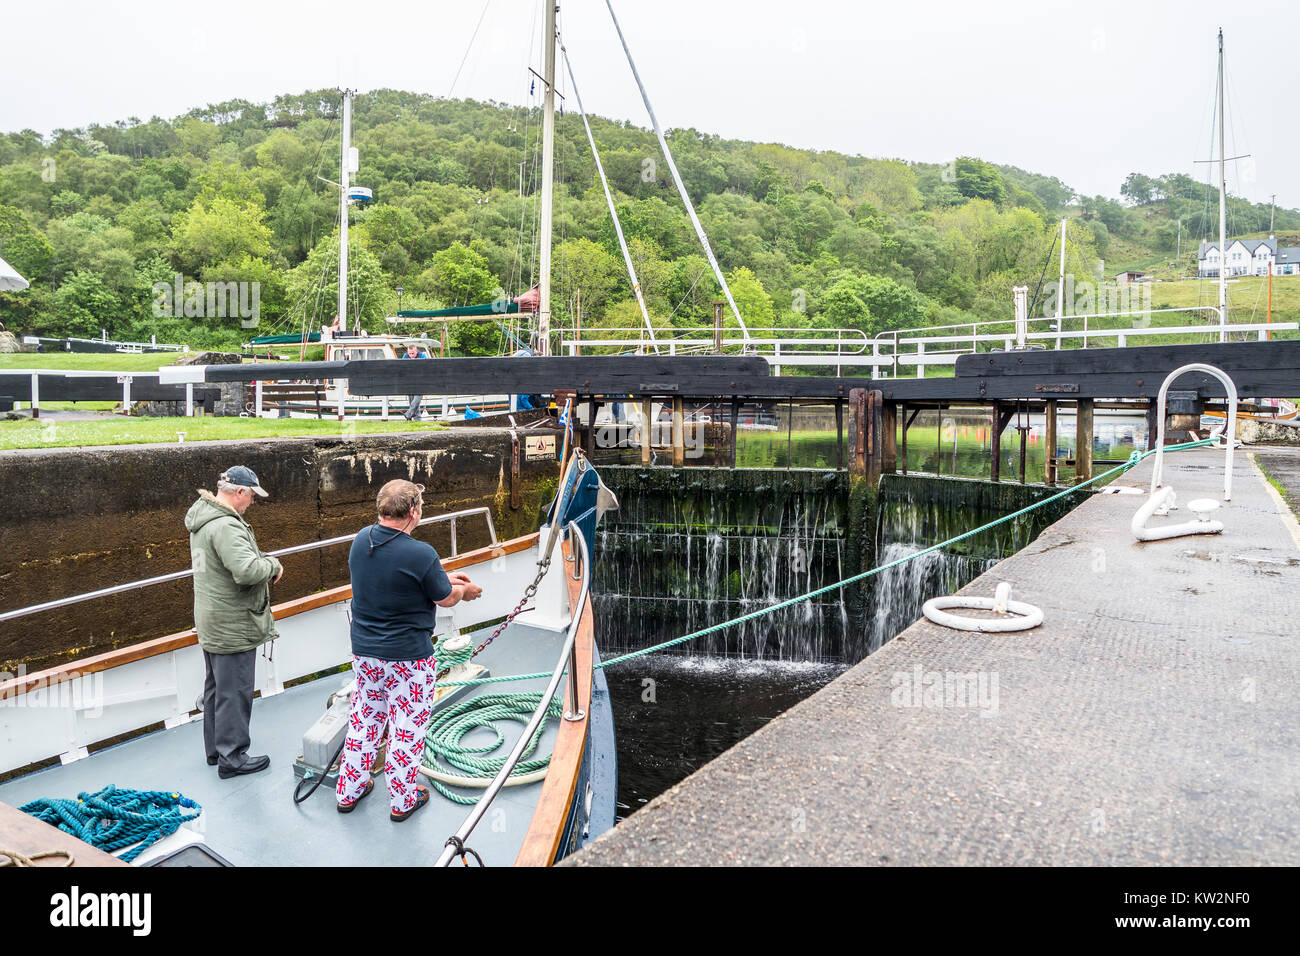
pixel 396 581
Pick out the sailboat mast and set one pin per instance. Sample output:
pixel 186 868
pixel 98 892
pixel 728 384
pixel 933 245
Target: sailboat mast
pixel 1060 291
pixel 1223 210
pixel 548 183
pixel 343 208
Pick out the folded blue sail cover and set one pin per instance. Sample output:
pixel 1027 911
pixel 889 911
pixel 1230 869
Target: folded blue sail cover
pixel 578 499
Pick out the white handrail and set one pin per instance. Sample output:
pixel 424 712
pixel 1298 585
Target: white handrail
pixel 567 660
pixel 1229 433
pixel 450 516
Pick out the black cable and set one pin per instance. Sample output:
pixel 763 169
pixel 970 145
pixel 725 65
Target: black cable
pixel 298 795
pixel 461 849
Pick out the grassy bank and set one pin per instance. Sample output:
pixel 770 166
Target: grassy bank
pixel 50 433
pixel 89 361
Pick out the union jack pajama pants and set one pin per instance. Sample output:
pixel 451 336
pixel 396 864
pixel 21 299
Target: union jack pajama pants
pixel 400 692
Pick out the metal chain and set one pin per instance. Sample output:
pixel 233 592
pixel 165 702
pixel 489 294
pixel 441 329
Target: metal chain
pixel 529 593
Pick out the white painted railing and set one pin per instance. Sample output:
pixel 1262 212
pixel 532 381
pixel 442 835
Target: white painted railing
pixel 889 353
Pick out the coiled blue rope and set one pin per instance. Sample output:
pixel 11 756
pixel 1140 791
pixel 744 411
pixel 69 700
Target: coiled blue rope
pixel 115 818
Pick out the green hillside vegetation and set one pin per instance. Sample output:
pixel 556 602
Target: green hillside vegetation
pixel 232 193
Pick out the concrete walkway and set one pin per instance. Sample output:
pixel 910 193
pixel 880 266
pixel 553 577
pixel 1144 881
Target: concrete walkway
pixel 1152 718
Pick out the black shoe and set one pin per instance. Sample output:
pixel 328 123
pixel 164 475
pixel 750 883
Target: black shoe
pixel 250 765
pixel 212 761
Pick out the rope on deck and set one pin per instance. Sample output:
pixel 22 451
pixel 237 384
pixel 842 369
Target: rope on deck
pixel 115 818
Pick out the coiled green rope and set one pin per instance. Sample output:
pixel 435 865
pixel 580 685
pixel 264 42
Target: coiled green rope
pixel 111 818
pixel 449 659
pixel 450 725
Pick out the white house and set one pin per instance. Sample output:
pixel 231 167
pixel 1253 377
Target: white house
pixel 1249 257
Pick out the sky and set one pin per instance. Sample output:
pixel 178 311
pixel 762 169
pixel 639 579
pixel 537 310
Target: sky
pixel 1086 92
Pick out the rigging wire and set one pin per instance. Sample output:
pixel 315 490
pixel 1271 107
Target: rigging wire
pixel 677 178
pixel 468 47
pixel 613 211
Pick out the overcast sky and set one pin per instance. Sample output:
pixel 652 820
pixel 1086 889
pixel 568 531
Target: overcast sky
pixel 1087 92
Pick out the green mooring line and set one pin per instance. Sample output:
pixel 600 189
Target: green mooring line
pixel 1133 460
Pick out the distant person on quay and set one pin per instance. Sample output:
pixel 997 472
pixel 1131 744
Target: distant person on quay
pixel 413 412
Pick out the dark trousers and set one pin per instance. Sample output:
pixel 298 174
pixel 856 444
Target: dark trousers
pixel 227 705
pixel 413 411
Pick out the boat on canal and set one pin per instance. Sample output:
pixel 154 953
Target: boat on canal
pixel 131 719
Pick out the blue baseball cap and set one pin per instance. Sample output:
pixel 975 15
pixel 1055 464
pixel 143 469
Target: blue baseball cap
pixel 243 475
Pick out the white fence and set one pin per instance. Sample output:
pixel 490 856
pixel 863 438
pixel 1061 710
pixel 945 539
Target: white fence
pixel 912 351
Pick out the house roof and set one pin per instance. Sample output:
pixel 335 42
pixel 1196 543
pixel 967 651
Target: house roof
pixel 1250 245
pixel 1288 254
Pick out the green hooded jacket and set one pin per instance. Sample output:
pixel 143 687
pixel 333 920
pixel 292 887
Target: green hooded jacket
pixel 232 600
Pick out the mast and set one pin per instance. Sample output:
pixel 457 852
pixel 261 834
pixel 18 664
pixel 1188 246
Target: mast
pixel 1060 291
pixel 548 183
pixel 344 164
pixel 1223 210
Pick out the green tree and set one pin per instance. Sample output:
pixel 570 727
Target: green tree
pixel 871 303
pixel 86 306
pixel 976 179
pixel 1138 189
pixel 23 246
pixel 581 264
pixel 459 276
pixel 311 289
pixel 218 230
pixel 751 298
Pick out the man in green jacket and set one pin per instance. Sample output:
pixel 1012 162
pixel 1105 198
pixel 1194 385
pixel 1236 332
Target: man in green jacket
pixel 232 614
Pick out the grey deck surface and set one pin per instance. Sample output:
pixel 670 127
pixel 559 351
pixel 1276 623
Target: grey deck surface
pixel 252 820
pixel 1283 466
pixel 1152 718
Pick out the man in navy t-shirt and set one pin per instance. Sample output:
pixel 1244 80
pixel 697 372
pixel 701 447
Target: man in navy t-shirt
pixel 396 582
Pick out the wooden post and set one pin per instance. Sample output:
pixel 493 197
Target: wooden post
pixel 1153 423
pixel 1049 443
pixel 1183 408
pixel 717 327
pixel 889 438
pixel 1083 440
pixel 938 439
pixel 907 423
pixel 995 444
pixel 858 432
pixel 591 426
pixel 1024 433
pixel 679 436
pixel 1001 416
pixel 875 435
pixel 839 433
pixel 789 433
pixel 735 418
pixel 647 431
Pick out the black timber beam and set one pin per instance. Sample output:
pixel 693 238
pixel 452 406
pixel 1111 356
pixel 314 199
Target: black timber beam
pixel 1259 369
pixel 100 388
pixel 703 375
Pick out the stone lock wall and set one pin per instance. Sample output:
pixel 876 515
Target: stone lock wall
pixel 79 519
